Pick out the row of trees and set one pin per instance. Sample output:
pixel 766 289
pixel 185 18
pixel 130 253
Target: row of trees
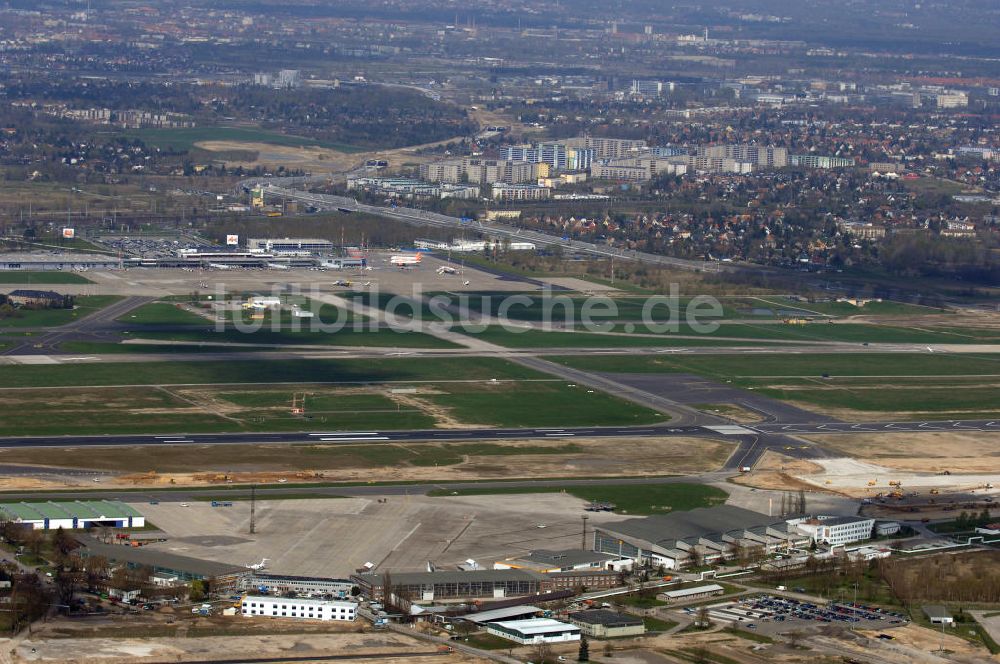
pixel 32 598
pixel 973 577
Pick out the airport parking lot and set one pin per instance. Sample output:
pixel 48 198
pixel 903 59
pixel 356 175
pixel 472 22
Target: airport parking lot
pixel 769 614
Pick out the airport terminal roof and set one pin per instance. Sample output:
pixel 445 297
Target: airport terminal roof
pixel 484 617
pixel 85 509
pixel 565 558
pixel 159 560
pixel 700 522
pixel 474 576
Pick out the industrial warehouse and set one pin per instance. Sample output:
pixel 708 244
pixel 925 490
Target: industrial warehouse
pixel 300 585
pixel 222 578
pixel 72 515
pixel 605 624
pixel 709 532
pixel 534 630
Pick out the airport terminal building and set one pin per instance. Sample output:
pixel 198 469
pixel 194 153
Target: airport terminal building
pixel 222 578
pixel 711 532
pixel 443 586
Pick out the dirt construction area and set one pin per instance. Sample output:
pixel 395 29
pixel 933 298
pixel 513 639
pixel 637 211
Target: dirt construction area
pixel 359 647
pixel 932 452
pixel 333 537
pixel 169 466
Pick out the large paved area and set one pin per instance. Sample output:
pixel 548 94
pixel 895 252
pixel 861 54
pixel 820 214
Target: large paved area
pixel 767 614
pixel 333 537
pixel 172 281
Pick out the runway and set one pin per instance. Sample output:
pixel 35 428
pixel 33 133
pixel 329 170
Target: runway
pixel 879 427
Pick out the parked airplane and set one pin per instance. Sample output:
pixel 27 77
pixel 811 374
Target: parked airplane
pixel 444 269
pixel 405 260
pixel 257 566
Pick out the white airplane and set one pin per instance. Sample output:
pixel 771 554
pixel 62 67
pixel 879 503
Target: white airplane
pixel 405 260
pixel 257 566
pixel 466 282
pixel 444 269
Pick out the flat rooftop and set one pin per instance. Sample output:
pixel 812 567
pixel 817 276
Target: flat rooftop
pixel 158 560
pixel 536 626
pixel 83 509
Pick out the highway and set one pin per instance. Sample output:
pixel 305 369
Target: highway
pixel 426 218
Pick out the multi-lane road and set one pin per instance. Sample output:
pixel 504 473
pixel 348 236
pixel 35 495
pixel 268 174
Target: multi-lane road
pixel 426 218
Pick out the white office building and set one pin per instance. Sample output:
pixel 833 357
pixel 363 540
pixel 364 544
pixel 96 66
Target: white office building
pixel 534 630
pixel 835 530
pixel 310 609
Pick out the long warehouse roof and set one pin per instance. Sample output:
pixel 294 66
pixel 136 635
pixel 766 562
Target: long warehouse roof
pixel 85 509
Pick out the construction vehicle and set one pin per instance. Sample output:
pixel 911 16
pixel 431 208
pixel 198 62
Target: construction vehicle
pixel 934 492
pixel 895 483
pixel 872 482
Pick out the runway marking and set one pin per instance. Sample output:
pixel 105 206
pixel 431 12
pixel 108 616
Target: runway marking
pixel 730 430
pixel 405 537
pixel 558 434
pixel 344 439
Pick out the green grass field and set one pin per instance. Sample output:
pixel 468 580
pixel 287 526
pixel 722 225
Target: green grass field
pixel 544 404
pixel 254 372
pixel 162 313
pixel 85 305
pixel 33 277
pixel 766 366
pixel 638 499
pixel 95 410
pixel 884 308
pixel 557 339
pixel 379 338
pixel 916 385
pixel 110 348
pixel 827 331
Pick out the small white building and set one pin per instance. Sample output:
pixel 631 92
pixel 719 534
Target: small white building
pixel 311 609
pixel 262 302
pixel 684 594
pixel 165 580
pixel 938 615
pixel 867 553
pixel 886 528
pixel 534 630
